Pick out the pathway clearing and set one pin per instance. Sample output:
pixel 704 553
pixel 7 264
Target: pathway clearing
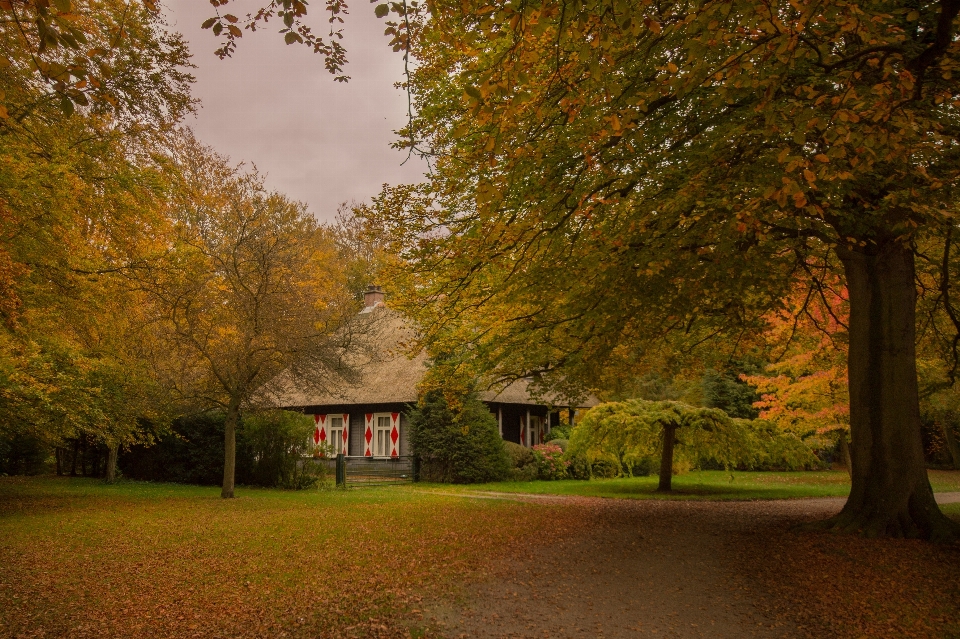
pixel 663 569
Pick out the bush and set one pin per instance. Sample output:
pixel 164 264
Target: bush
pixel 270 451
pixel 604 468
pixel 191 453
pixel 559 432
pixel 275 444
pixel 644 467
pixel 459 446
pixel 520 456
pixel 526 473
pixel 579 467
pixel 549 462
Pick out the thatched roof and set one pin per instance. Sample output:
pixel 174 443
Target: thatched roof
pixel 391 376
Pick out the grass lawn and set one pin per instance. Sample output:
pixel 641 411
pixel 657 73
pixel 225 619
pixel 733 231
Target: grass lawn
pixel 708 485
pixel 79 558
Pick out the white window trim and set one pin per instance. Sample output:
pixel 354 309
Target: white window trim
pixel 373 443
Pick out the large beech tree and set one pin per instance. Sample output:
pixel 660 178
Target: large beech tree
pixel 610 173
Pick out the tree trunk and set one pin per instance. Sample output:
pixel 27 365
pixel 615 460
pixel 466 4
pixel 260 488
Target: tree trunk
pixel 666 459
pixel 845 453
pixel 83 456
pixel 230 448
pixel 73 463
pixel 112 463
pixel 890 493
pixel 58 454
pixel 952 446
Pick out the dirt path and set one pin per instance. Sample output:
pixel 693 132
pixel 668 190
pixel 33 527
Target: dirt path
pixel 644 569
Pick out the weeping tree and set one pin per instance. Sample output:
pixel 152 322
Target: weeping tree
pixel 634 430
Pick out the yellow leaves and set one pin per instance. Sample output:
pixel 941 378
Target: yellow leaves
pixel 809 176
pixel 820 157
pixel 799 200
pixel 671 67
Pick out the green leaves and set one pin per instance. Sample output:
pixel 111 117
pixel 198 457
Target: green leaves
pixel 381 10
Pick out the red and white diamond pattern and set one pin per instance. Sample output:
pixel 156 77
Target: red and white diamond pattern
pixel 368 435
pixel 394 434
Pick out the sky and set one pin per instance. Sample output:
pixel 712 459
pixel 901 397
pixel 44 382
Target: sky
pixel 318 141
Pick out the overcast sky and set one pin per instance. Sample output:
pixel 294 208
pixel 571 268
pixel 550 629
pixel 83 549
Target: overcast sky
pixel 318 141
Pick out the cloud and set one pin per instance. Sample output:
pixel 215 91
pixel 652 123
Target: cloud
pixel 318 141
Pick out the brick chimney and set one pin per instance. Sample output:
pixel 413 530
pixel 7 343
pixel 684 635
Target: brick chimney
pixel 373 296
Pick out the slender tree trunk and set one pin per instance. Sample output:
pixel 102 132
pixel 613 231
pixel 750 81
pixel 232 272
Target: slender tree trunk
pixel 666 459
pixel 83 456
pixel 73 463
pixel 890 493
pixel 230 448
pixel 845 453
pixel 112 463
pixel 952 446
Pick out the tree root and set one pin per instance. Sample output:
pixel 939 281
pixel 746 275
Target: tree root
pixel 929 524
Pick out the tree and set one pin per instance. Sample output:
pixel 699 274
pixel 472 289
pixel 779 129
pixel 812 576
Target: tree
pixel 635 430
pixel 246 298
pixel 608 173
pixel 80 201
pixel 457 441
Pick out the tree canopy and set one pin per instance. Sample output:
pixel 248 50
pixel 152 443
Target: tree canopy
pixel 609 173
pixel 246 293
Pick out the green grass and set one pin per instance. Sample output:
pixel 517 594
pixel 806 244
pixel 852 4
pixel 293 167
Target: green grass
pixel 708 485
pixel 82 559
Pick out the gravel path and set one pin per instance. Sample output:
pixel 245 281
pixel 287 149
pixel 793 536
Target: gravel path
pixel 642 569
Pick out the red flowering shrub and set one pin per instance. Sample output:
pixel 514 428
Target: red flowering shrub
pixel 550 462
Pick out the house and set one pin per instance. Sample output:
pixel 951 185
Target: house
pixel 368 418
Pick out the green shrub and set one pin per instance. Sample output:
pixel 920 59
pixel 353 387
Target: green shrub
pixel 270 450
pixel 191 453
pixel 644 467
pixel 520 456
pixel 561 431
pixel 526 473
pixel 459 446
pixel 277 442
pixel 604 468
pixel 579 467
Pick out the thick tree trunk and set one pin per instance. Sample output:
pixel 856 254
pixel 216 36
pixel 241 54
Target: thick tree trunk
pixel 890 494
pixel 666 459
pixel 952 446
pixel 230 448
pixel 112 463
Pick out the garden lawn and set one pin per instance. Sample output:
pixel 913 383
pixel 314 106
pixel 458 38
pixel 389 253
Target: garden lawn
pixel 709 485
pixel 79 558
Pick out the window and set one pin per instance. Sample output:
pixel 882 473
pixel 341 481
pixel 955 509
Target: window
pixel 336 434
pixel 381 435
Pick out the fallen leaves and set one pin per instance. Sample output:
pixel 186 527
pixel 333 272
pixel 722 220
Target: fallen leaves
pixel 172 563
